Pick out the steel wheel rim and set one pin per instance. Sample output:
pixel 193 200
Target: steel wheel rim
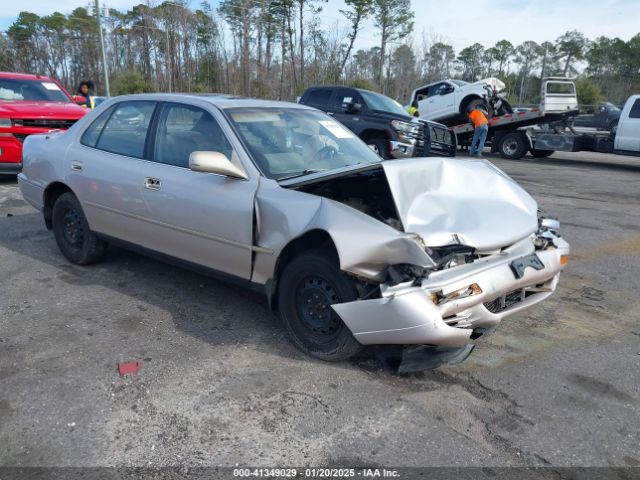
pixel 314 296
pixel 73 228
pixel 510 147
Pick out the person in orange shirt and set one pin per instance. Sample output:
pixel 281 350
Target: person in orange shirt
pixel 481 127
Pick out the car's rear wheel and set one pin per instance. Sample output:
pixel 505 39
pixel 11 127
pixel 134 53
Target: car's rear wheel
pixel 309 285
pixel 512 146
pixel 75 239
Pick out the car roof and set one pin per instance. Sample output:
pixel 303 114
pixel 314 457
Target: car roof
pixel 222 101
pixel 330 87
pixel 320 87
pixel 23 76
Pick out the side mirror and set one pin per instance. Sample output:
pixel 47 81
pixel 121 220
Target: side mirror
pixel 352 107
pixel 79 100
pixel 215 162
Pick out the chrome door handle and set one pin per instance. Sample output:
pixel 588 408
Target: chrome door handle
pixel 152 183
pixel 77 166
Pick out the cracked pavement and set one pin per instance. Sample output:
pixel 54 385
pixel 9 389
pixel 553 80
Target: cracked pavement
pixel 220 383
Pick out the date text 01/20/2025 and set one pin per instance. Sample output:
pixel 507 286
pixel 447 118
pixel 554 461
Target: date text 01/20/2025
pixel 316 473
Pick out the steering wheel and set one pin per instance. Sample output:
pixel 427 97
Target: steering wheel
pixel 325 153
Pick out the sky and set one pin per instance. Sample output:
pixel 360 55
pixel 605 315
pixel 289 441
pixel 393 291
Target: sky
pixel 458 22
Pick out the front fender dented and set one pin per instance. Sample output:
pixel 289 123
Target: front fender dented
pixel 365 246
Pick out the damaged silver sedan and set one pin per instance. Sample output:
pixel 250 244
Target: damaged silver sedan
pixel 350 250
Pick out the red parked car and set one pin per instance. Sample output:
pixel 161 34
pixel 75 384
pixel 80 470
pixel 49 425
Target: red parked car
pixel 31 104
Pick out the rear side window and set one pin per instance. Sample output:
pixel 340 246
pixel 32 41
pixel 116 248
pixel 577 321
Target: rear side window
pixel 635 109
pixel 344 95
pixel 125 132
pixel 561 88
pixel 91 134
pixel 318 98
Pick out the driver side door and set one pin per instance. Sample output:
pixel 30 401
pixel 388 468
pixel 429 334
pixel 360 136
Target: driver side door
pixel 202 218
pixel 441 101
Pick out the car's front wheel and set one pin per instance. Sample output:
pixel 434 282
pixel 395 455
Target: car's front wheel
pixel 505 108
pixel 479 102
pixel 380 146
pixel 309 285
pixel 71 230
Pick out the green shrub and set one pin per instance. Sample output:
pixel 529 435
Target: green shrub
pixel 130 82
pixel 588 92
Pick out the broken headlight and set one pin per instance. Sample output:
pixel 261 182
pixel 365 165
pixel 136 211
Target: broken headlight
pixel 547 231
pixel 439 298
pixel 405 272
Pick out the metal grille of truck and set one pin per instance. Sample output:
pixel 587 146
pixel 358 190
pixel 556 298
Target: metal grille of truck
pixel 43 123
pixel 442 141
pixel 440 135
pixel 419 136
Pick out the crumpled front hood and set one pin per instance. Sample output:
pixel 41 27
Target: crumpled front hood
pixel 495 83
pixel 471 202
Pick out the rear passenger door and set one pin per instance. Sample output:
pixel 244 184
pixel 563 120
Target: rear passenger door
pixel 104 168
pixel 202 218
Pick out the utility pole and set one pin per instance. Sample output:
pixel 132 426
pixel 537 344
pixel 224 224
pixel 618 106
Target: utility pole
pixel 544 63
pixel 104 55
pixel 168 60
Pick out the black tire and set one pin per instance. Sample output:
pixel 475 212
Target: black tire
pixel 73 236
pixel 541 153
pixel 484 106
pixel 310 283
pixel 380 146
pixel 505 108
pixel 512 146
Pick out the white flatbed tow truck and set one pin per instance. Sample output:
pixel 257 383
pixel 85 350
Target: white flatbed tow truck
pixel 546 129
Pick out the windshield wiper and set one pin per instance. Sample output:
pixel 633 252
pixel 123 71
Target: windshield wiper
pixel 308 171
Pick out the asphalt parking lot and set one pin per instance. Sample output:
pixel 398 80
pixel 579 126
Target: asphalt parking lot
pixel 220 383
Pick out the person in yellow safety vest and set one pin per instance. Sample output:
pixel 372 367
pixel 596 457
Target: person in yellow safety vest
pixel 481 128
pixel 85 89
pixel 413 109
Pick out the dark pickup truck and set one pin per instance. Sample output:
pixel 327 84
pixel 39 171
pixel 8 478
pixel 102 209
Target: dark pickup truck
pixel 381 122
